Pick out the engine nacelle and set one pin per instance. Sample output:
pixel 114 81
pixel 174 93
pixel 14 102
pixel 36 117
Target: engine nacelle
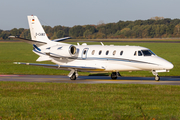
pixel 63 51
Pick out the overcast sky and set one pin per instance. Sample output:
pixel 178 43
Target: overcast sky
pixel 82 12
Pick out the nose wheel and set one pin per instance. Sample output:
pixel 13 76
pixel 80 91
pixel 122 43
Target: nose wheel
pixel 157 78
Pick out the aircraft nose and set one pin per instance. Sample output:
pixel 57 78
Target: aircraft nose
pixel 168 66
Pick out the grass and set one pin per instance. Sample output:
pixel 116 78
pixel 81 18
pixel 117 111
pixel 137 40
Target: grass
pixel 22 100
pixel 22 52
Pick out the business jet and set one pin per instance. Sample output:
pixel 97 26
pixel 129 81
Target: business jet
pixel 99 58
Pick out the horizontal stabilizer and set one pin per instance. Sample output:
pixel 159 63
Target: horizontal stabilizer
pixel 26 40
pixel 64 66
pixel 61 39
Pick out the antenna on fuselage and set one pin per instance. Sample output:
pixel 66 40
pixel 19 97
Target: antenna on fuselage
pixel 102 44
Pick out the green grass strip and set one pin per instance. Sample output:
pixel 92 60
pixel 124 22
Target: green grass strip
pixel 22 100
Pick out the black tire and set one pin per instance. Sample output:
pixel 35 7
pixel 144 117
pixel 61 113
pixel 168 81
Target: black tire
pixel 73 77
pixel 114 76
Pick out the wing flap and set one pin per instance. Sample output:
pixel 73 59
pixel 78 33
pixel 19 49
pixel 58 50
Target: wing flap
pixel 36 64
pixel 64 66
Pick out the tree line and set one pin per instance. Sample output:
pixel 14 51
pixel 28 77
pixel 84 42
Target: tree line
pixel 156 27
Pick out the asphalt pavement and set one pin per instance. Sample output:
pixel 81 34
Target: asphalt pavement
pixel 91 79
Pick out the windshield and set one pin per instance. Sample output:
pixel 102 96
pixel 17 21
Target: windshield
pixel 147 52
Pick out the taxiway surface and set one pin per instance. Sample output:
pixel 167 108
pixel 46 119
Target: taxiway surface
pixel 91 79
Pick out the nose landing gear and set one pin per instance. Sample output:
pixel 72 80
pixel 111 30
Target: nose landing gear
pixel 157 78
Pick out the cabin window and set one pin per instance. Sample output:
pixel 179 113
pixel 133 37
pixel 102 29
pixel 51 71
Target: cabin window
pixel 100 52
pixel 135 53
pixel 114 52
pixel 93 52
pixel 139 53
pixel 107 52
pixel 121 53
pixel 147 52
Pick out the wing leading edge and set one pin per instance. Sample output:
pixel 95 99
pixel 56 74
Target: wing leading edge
pixel 64 66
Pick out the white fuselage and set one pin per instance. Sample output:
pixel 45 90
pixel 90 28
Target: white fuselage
pixel 111 58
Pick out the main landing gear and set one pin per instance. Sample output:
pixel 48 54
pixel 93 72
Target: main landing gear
pixel 157 78
pixel 114 75
pixel 73 74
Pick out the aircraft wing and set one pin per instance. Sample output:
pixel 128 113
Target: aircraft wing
pixel 64 66
pixel 26 40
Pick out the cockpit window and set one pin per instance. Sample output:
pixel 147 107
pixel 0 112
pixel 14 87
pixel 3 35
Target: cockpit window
pixel 139 53
pixel 147 52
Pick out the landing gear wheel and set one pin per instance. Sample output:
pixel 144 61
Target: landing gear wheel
pixel 73 77
pixel 157 78
pixel 114 75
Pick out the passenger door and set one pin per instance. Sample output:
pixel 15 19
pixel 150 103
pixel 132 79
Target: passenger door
pixel 84 53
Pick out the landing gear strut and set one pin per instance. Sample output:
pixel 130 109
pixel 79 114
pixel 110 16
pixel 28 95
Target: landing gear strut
pixel 114 75
pixel 157 78
pixel 73 74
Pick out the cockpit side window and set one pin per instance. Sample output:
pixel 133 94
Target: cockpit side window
pixel 139 53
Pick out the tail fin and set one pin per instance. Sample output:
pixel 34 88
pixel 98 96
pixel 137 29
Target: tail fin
pixel 36 29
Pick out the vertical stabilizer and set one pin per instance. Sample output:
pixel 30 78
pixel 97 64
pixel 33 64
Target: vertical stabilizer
pixel 36 29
